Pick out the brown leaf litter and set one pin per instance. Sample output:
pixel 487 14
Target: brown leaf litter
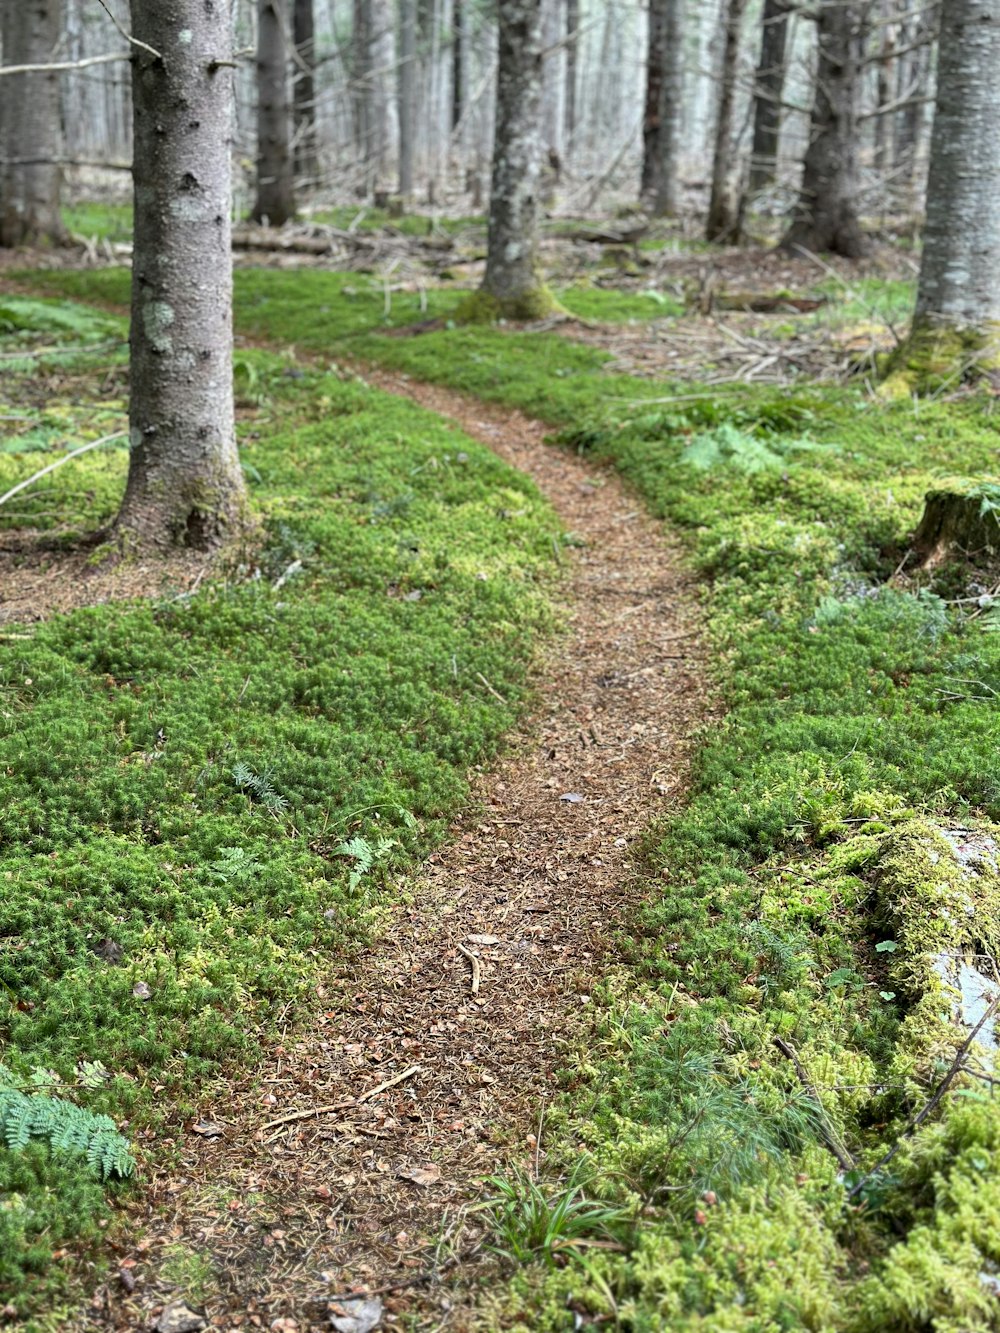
pixel 343 1166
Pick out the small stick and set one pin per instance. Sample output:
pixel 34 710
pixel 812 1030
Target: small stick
pixel 832 1137
pixel 476 970
pixel 939 1091
pixel 73 453
pixel 345 1103
pixel 480 676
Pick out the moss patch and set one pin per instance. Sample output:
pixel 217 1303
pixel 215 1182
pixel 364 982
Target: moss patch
pixel 935 358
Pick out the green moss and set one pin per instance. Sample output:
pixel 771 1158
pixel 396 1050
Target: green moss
pixel 483 307
pixel 936 357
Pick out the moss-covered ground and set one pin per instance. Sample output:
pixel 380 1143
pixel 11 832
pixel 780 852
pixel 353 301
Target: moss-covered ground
pixel 177 775
pixel 781 904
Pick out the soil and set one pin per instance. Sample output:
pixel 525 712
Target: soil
pixel 348 1162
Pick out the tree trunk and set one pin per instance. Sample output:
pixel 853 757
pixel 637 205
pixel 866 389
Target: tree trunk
pixel 723 222
pixel 827 211
pixel 768 91
pixel 512 287
pixel 569 91
pixel 275 201
pixel 304 89
pixel 407 93
pixel 659 184
pixel 185 485
pixel 956 327
pixel 457 70
pixel 957 525
pixel 30 130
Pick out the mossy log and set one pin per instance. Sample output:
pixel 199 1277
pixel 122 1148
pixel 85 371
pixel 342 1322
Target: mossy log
pixel 957 525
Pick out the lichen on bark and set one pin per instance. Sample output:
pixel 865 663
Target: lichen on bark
pixel 185 485
pixel 512 286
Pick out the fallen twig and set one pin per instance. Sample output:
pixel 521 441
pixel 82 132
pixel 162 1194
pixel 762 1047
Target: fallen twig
pixel 474 963
pixel 343 1105
pixel 73 453
pixel 834 1142
pixel 939 1091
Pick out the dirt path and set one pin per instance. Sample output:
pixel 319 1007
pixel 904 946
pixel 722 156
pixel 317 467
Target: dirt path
pixel 531 888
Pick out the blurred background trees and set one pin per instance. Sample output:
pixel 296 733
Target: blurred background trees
pixel 813 116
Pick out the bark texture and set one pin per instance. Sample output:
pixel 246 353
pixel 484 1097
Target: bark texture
pixel 768 89
pixel 956 525
pixel 304 89
pixel 660 183
pixel 457 64
pixel 569 92
pixel 827 211
pixel 275 200
pixel 512 286
pixel 30 126
pixel 956 326
pixel 185 484
pixel 407 93
pixel 723 222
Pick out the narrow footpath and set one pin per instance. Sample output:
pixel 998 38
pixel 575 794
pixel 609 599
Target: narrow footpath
pixel 346 1163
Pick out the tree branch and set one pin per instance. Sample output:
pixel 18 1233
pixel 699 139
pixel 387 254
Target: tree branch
pixel 58 65
pixel 133 41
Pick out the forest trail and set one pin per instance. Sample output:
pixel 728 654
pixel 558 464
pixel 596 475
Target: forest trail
pixel 281 1215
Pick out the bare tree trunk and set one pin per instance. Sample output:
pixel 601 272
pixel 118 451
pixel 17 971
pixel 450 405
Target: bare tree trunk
pixel 552 78
pixel 382 63
pixel 30 131
pixel 723 222
pixel 362 91
pixel 275 201
pixel 661 117
pixel 827 211
pixel 185 486
pixel 512 287
pixel 569 92
pixel 457 70
pixel 956 327
pixel 304 89
pixel 768 91
pixel 407 93
pixel 884 70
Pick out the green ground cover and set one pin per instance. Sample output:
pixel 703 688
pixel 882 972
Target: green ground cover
pixel 179 777
pixel 802 892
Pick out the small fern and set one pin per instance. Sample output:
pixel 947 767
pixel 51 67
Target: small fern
pixel 727 445
pixel 366 855
pixel 260 787
pixel 66 1126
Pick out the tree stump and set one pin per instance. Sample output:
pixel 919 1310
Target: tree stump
pixel 958 525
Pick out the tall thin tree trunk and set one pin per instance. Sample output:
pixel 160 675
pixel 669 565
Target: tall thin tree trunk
pixel 723 222
pixel 275 201
pixel 668 183
pixel 185 486
pixel 768 90
pixel 956 326
pixel 655 54
pixel 827 211
pixel 363 91
pixel 407 93
pixel 304 89
pixel 30 134
pixel 457 68
pixel 569 93
pixel 512 286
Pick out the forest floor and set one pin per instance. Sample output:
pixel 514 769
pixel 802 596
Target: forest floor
pixel 606 960
pixel 530 893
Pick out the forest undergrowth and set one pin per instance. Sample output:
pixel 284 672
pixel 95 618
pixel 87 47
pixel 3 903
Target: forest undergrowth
pixel 783 1017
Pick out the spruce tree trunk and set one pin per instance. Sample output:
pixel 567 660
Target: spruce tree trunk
pixel 457 70
pixel 30 130
pixel 827 211
pixel 956 326
pixel 407 93
pixel 659 184
pixel 569 92
pixel 185 485
pixel 275 202
pixel 768 90
pixel 304 89
pixel 723 222
pixel 512 287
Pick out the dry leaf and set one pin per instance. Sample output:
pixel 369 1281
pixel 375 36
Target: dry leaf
pixel 428 1174
pixel 356 1315
pixel 573 797
pixel 207 1129
pixel 482 939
